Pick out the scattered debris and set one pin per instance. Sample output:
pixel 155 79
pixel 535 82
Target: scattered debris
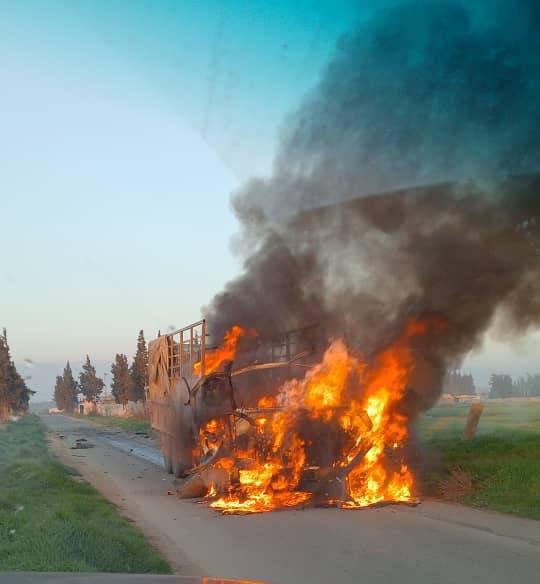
pixel 193 487
pixel 143 434
pixel 201 482
pixel 81 444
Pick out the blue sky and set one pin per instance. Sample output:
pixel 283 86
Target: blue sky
pixel 230 69
pixel 124 127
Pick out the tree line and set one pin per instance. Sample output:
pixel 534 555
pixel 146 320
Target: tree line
pixel 502 385
pixel 14 393
pixel 457 383
pixel 128 381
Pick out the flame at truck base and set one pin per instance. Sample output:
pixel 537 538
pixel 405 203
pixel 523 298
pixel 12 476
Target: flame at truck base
pixel 344 407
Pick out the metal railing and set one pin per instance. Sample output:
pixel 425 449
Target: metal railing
pixel 187 347
pixel 284 346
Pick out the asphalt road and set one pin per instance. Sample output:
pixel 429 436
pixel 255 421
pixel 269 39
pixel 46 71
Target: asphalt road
pixel 434 542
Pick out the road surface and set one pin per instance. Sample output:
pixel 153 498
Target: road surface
pixel 434 542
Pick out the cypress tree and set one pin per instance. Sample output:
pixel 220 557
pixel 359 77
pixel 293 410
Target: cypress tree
pixel 139 369
pixel 500 385
pixel 4 372
pixel 14 393
pixel 59 396
pixel 122 382
pixel 70 388
pixel 91 385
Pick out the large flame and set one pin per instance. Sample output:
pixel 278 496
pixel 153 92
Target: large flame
pixel 356 407
pixel 215 358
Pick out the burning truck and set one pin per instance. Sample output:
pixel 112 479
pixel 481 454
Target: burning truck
pixel 323 414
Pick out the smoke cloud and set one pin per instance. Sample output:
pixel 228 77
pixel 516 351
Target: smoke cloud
pixel 427 93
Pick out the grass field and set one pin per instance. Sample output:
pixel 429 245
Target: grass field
pixel 52 521
pixel 127 424
pixel 499 469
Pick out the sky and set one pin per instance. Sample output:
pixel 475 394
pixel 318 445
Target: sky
pixel 124 128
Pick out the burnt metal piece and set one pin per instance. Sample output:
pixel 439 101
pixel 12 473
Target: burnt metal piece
pixel 189 392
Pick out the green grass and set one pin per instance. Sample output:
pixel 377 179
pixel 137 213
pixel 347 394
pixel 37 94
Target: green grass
pixel 497 417
pixel 52 521
pixel 502 461
pixel 127 424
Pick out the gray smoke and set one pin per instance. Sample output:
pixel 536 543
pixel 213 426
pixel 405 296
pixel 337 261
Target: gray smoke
pixel 426 93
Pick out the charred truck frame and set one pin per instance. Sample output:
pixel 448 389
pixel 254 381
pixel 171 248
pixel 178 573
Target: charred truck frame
pixel 185 393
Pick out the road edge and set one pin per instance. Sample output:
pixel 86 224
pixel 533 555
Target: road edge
pixel 169 549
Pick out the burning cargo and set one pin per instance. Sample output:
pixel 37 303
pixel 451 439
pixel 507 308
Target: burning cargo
pixel 324 415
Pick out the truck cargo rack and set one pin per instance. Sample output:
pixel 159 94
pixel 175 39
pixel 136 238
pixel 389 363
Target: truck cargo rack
pixel 187 346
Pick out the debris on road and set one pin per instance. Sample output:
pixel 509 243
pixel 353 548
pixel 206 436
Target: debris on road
pixel 81 444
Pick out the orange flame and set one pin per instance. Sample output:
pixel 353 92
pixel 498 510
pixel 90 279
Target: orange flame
pixel 267 401
pixel 215 358
pixel 354 400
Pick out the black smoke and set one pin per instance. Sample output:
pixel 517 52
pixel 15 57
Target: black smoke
pixel 427 93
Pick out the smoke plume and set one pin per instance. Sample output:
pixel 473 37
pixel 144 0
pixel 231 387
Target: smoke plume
pixel 428 93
